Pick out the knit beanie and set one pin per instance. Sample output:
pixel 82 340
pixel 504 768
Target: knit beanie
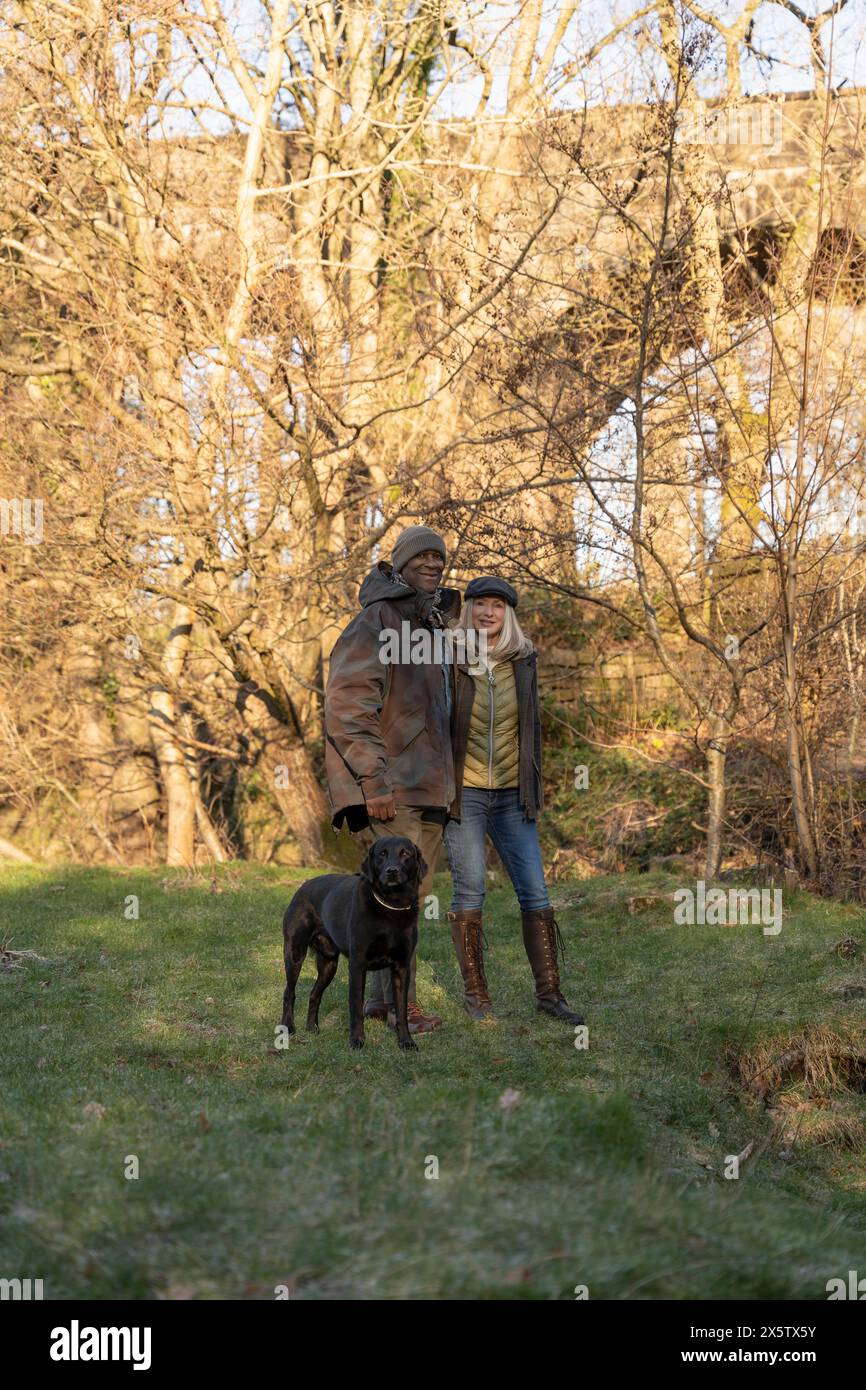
pixel 412 541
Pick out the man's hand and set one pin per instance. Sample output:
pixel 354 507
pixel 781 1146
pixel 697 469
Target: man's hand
pixel 381 808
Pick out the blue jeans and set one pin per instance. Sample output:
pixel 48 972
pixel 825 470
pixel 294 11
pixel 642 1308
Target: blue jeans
pixel 497 814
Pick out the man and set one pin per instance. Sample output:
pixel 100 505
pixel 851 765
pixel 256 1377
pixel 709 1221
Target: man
pixel 388 721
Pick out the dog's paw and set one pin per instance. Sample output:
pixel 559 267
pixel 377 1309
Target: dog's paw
pixel 408 1044
pixel 312 1027
pixel 356 1043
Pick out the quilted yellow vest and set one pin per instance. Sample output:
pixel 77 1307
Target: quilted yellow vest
pixel 493 743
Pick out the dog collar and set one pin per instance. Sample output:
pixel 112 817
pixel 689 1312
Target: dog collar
pixel 390 907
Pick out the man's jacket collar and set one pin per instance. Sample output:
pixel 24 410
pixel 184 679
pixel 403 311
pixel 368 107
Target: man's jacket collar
pixel 380 584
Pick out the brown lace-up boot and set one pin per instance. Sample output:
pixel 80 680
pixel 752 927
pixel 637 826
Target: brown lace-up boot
pixel 468 938
pixel 541 935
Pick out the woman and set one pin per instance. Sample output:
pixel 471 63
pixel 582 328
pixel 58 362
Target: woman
pixel 497 767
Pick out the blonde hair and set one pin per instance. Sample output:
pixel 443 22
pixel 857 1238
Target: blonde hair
pixel 512 641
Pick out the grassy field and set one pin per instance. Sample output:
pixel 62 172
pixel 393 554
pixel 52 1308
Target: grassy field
pixel 154 1038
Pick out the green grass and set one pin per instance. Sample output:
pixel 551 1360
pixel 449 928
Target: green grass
pixel 306 1167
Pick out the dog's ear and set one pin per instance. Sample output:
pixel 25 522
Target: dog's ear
pixel 366 869
pixel 422 865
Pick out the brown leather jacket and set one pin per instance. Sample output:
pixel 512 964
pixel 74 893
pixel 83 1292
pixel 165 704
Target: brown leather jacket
pixel 530 787
pixel 387 725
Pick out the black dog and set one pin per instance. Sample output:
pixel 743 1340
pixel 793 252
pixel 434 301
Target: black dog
pixel 371 917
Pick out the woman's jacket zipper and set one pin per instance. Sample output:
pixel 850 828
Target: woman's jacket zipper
pixel 491 690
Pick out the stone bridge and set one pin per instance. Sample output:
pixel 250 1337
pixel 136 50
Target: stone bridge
pixel 766 151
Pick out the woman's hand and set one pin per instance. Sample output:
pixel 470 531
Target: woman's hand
pixel 381 808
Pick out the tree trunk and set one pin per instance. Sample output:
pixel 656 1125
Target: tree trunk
pixel 163 715
pixel 292 781
pixel 716 758
pixel 789 586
